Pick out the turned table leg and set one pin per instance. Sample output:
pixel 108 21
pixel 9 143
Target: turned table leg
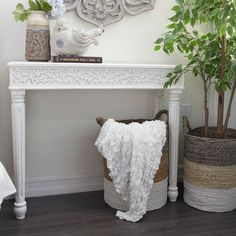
pixel 18 138
pixel 174 113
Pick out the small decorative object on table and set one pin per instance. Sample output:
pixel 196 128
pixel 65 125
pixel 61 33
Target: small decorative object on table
pixel 37 47
pixel 67 40
pixel 76 59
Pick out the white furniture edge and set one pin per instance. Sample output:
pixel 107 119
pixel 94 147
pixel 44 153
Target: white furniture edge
pixel 54 76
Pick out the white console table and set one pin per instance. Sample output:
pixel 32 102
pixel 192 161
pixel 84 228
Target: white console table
pixel 55 76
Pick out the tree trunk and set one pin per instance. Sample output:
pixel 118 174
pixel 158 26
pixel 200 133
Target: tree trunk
pixel 220 113
pixel 229 108
pixel 206 110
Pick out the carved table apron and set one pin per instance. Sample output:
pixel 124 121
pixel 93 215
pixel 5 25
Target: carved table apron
pixel 54 76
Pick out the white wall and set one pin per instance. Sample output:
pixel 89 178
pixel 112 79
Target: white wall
pixel 232 123
pixel 232 120
pixel 61 126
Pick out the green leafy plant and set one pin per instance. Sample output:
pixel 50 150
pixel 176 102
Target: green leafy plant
pixel 209 55
pixel 21 13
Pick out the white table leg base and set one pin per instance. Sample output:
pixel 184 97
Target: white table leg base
pixel 173 193
pixel 174 113
pixel 20 210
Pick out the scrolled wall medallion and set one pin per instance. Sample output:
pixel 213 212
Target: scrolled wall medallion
pixel 104 12
pixel 70 4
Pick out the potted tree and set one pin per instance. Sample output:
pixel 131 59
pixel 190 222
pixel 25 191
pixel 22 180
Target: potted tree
pixel 210 152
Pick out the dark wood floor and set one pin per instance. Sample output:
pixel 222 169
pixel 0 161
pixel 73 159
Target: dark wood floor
pixel 87 214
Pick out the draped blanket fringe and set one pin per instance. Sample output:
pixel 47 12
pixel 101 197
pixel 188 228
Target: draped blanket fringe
pixel 6 186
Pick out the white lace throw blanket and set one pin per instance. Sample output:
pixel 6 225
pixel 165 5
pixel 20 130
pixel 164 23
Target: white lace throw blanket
pixel 6 186
pixel 133 154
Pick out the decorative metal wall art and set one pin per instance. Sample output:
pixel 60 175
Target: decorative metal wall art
pixel 104 12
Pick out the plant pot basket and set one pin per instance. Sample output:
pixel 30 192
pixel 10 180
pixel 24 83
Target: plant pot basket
pixel 158 194
pixel 210 171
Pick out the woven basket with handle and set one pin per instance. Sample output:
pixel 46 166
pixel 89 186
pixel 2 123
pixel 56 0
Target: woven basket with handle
pixel 158 194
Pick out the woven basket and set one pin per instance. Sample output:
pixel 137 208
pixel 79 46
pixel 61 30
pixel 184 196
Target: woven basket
pixel 210 171
pixel 158 194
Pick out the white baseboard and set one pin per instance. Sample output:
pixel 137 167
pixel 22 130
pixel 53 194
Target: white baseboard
pixel 54 185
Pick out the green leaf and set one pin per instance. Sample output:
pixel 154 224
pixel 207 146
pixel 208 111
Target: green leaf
pixel 186 17
pixel 24 15
pixel 21 14
pixel 33 5
pixel 223 30
pixel 230 30
pixel 20 7
pixel 45 6
pixel 193 61
pixel 166 50
pixel 179 1
pixel 215 12
pixel 159 41
pixel 174 18
pixel 195 13
pixel 193 21
pixel 176 8
pixel 166 84
pixel 178 68
pixel 171 26
pixel 157 47
pixel 169 44
pixel 38 5
pixel 17 15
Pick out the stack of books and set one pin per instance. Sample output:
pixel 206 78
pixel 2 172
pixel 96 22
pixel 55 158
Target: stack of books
pixel 76 59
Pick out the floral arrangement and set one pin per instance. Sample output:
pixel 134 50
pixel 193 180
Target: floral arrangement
pixel 54 8
pixel 58 8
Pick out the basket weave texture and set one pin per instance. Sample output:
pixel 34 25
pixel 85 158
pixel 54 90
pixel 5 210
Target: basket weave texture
pixel 211 151
pixel 161 174
pixel 210 171
pixel 158 194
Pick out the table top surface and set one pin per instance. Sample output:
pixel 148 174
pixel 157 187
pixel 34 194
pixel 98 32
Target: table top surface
pixel 60 64
pixel 49 75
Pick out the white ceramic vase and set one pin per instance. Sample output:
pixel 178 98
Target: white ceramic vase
pixel 37 47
